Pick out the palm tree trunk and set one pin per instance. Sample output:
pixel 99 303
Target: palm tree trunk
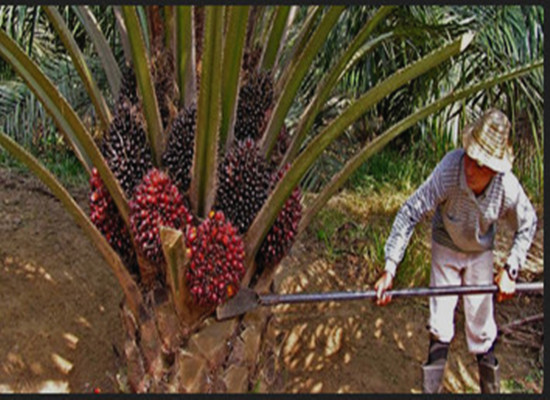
pixel 163 355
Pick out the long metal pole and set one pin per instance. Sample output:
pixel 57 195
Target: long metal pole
pixel 271 299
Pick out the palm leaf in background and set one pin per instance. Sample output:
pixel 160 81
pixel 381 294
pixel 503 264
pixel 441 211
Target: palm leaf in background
pixel 413 28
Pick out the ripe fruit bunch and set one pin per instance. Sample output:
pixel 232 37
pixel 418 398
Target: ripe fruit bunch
pixel 156 202
pixel 281 236
pixel 178 156
pixel 105 216
pixel 244 179
pixel 255 98
pixel 216 254
pixel 125 147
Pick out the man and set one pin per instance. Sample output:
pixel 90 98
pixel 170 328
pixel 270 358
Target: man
pixel 470 189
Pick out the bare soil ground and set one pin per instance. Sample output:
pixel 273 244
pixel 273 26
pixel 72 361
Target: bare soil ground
pixel 59 315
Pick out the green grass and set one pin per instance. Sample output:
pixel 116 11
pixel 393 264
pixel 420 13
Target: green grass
pixel 342 231
pixel 400 170
pixel 63 164
pixel 394 170
pixel 535 379
pixel 532 186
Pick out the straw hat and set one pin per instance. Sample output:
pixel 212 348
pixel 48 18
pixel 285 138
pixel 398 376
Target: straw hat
pixel 486 141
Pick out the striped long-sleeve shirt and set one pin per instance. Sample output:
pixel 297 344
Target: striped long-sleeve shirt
pixel 463 221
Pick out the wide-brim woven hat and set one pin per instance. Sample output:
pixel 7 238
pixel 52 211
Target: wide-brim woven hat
pixel 486 141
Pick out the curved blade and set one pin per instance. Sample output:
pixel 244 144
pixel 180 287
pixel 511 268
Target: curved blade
pixel 244 301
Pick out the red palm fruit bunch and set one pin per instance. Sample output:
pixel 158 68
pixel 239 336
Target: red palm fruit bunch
pixel 105 216
pixel 157 202
pixel 216 260
pixel 281 236
pixel 244 178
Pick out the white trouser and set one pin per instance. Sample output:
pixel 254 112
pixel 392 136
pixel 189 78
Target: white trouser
pixel 451 268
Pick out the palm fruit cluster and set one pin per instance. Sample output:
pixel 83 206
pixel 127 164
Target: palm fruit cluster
pixel 244 179
pixel 281 236
pixel 128 86
pixel 178 156
pixel 157 202
pixel 105 216
pixel 216 260
pixel 125 147
pixel 255 99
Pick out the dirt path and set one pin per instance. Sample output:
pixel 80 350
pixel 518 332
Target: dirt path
pixel 59 299
pixel 59 316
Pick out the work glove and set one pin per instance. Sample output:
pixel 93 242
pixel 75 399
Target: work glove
pixel 506 285
pixel 383 284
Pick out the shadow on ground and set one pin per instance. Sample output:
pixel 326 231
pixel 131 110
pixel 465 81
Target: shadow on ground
pixel 59 315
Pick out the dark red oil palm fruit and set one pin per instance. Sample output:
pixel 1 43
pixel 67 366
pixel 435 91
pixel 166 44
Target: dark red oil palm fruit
pixel 125 147
pixel 128 86
pixel 255 98
pixel 282 234
pixel 244 179
pixel 178 156
pixel 216 260
pixel 105 216
pixel 157 202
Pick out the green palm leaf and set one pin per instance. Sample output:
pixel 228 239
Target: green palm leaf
pixel 232 59
pixel 274 203
pixel 203 182
pixel 297 70
pixel 145 82
pixel 274 41
pixel 80 64
pixel 64 116
pixel 102 47
pixel 383 139
pixel 329 81
pixel 185 58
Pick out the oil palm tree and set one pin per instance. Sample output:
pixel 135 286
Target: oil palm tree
pixel 195 179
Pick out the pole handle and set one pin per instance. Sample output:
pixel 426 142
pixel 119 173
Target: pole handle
pixel 271 299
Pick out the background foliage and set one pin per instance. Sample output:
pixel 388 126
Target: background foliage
pixel 507 36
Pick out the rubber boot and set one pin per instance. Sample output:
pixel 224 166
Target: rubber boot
pixel 432 371
pixel 432 377
pixel 489 377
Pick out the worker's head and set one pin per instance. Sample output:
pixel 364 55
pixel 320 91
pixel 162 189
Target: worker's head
pixel 486 142
pixel 477 175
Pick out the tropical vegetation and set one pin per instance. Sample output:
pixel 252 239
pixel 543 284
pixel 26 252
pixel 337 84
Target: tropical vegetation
pixel 200 129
